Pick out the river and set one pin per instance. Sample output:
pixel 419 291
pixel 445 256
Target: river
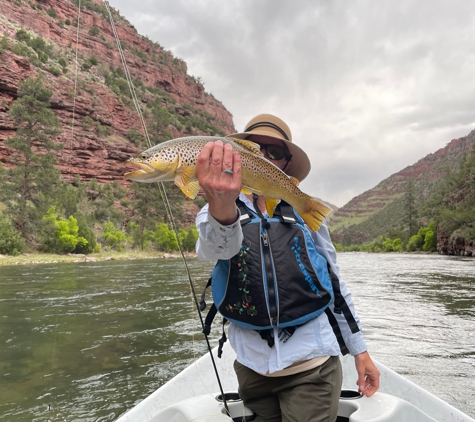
pixel 87 341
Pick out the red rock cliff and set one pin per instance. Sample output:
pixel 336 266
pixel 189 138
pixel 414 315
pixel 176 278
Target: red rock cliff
pixel 96 120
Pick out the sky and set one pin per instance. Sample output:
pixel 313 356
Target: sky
pixel 367 87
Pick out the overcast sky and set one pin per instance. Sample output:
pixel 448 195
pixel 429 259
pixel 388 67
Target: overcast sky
pixel 367 87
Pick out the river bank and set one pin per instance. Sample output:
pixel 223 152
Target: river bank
pixel 44 258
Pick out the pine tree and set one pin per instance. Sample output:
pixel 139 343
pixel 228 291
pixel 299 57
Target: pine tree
pixel 149 209
pixel 26 186
pixel 410 209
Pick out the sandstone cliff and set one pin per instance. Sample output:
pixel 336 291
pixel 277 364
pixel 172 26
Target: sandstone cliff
pixel 96 121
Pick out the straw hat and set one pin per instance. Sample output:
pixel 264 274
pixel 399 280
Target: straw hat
pixel 272 126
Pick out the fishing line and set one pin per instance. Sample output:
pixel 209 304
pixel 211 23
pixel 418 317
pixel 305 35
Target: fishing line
pixel 163 194
pixel 69 159
pixel 75 82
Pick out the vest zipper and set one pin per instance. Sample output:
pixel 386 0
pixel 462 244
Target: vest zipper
pixel 269 274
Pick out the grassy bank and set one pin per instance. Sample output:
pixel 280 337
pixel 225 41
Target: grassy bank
pixel 44 258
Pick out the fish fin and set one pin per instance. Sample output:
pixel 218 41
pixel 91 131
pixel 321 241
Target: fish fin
pixel 246 190
pixel 191 189
pixel 183 177
pixel 313 212
pixel 251 146
pixel 271 204
pixel 295 180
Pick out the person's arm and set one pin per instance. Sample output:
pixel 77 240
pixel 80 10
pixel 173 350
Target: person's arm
pixel 368 373
pixel 219 231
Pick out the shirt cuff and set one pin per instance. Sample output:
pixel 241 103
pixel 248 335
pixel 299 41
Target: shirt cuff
pixel 224 230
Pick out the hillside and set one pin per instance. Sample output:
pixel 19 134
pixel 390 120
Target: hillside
pixel 100 127
pixel 380 209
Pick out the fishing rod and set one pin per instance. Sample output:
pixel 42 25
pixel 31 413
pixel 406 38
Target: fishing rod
pixel 164 197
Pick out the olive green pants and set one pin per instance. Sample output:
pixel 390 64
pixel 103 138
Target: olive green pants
pixel 310 396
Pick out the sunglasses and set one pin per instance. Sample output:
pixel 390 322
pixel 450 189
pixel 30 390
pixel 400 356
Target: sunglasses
pixel 275 152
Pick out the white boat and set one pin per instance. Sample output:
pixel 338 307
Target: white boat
pixel 193 396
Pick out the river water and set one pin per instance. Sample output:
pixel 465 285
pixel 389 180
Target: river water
pixel 87 341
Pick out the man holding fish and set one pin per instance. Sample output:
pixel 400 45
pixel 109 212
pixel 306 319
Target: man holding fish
pixel 279 283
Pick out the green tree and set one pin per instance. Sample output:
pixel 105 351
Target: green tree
pixel 105 200
pixel 114 237
pixel 11 243
pixel 61 235
pixel 410 208
pixel 164 238
pixel 397 245
pixel 188 238
pixel 452 206
pixel 415 243
pixel 159 120
pixel 87 233
pixel 147 207
pixel 27 185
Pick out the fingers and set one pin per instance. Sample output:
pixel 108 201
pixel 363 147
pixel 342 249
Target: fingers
pixel 368 375
pixel 203 162
pixel 227 158
pixel 368 385
pixel 219 166
pixel 218 170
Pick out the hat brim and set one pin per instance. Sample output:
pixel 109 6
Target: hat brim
pixel 300 167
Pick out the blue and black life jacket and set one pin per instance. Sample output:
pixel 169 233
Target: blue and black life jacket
pixel 278 278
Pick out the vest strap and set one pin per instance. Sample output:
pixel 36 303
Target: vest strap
pixel 285 213
pixel 203 296
pixel 267 336
pixel 337 332
pixel 222 340
pixel 209 319
pixel 340 305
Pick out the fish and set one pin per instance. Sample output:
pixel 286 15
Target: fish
pixel 175 160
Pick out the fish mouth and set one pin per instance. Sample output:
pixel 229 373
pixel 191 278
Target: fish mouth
pixel 135 174
pixel 145 167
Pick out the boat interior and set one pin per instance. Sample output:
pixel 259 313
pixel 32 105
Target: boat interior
pixel 353 407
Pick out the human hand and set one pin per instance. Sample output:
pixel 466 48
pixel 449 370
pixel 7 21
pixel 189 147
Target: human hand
pixel 220 187
pixel 368 374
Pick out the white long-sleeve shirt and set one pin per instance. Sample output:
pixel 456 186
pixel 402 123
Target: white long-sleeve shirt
pixel 313 339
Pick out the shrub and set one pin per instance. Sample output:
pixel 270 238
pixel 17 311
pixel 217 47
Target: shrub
pixel 59 234
pixel 103 131
pixel 11 242
pixel 4 45
pixel 52 12
pixel 22 35
pixel 188 241
pixel 67 22
pixel 87 233
pixel 430 241
pixel 134 136
pixel 415 243
pixel 114 237
pixel 164 238
pixel 54 70
pixel 95 31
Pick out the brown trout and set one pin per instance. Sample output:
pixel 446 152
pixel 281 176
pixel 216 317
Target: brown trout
pixel 175 161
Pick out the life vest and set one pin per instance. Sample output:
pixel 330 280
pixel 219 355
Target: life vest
pixel 278 278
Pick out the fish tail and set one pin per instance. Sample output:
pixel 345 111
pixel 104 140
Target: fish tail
pixel 313 212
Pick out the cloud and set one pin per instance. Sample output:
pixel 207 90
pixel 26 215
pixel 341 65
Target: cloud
pixel 367 87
